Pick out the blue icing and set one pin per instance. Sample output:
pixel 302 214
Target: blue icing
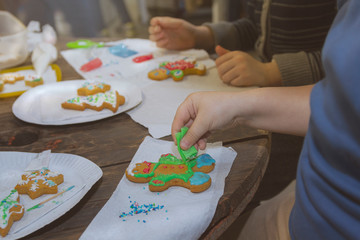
pixel 204 160
pixel 199 178
pixel 122 50
pixel 51 183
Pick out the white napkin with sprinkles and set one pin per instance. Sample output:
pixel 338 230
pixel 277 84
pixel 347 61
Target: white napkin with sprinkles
pixel 133 212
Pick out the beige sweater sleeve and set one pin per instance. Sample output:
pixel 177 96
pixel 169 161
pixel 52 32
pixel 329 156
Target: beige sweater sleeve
pixel 300 68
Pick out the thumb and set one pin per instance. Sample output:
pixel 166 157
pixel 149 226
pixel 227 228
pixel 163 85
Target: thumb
pixel 192 136
pixel 220 50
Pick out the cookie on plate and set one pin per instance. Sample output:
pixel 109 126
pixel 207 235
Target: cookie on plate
pixel 1 85
pixel 91 88
pixel 33 81
pixel 171 171
pixel 110 100
pixel 11 77
pixel 10 211
pixel 39 182
pixel 177 70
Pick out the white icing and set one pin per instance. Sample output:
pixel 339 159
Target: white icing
pixel 34 187
pixel 96 100
pixel 4 216
pixel 130 168
pixel 200 66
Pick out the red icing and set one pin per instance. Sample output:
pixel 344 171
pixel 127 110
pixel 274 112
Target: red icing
pixel 93 64
pixel 180 64
pixel 157 181
pixel 147 170
pixel 143 58
pixel 181 166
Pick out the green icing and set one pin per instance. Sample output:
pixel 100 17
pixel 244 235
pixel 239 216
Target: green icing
pixel 171 160
pixel 185 154
pixel 165 178
pixel 5 206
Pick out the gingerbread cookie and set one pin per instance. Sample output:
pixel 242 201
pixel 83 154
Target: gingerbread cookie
pixel 39 182
pixel 10 211
pixel 90 88
pixel 110 100
pixel 11 77
pixel 33 81
pixel 177 70
pixel 1 85
pixel 171 171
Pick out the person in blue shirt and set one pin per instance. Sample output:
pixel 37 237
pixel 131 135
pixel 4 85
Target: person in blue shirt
pixel 324 202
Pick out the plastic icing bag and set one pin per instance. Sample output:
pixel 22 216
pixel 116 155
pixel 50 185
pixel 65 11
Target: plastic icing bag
pixel 121 50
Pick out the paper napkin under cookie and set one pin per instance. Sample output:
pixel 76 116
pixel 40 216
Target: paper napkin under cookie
pixel 133 212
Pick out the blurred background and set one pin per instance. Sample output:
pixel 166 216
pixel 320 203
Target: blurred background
pixel 117 18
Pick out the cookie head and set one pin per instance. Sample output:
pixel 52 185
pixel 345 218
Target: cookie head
pixel 159 74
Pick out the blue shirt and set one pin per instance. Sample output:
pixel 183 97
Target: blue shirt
pixel 327 204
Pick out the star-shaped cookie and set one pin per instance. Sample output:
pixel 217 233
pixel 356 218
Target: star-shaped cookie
pixel 39 182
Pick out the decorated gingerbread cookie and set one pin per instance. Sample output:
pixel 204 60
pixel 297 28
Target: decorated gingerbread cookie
pixel 177 70
pixel 90 88
pixel 33 81
pixel 110 100
pixel 10 211
pixel 11 77
pixel 171 171
pixel 39 182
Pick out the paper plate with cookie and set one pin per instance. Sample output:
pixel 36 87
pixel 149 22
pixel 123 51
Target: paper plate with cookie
pixel 15 81
pixel 76 101
pixel 36 189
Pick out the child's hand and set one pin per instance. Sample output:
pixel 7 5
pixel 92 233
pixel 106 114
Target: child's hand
pixel 203 112
pixel 240 69
pixel 178 34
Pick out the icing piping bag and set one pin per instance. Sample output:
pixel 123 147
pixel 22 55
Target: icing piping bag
pixel 91 65
pixel 84 43
pixel 189 154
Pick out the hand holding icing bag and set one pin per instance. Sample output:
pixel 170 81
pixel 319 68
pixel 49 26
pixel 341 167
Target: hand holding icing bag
pixel 189 154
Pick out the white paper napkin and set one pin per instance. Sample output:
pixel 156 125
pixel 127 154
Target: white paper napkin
pixel 178 214
pixel 161 100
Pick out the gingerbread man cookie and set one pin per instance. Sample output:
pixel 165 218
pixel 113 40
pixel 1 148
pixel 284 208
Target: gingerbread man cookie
pixel 110 100
pixel 39 182
pixel 171 171
pixel 177 70
pixel 10 211
pixel 90 88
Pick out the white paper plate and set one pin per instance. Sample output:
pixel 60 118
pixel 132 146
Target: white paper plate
pixel 42 105
pixel 77 171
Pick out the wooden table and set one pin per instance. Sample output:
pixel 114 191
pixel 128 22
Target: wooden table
pixel 111 143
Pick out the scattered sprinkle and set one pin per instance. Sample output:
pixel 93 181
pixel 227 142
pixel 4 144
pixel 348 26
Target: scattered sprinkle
pixel 136 208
